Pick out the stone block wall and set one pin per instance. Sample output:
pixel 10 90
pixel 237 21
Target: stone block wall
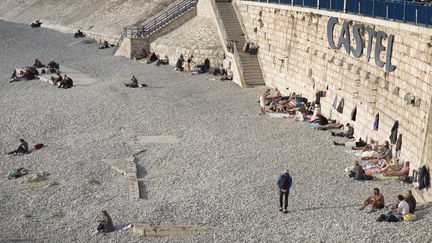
pixel 295 56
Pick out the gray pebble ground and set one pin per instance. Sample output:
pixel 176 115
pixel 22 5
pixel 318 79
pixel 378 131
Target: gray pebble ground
pixel 221 174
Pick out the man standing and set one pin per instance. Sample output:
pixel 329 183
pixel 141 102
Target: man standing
pixel 284 183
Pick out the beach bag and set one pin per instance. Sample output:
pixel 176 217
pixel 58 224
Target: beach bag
pixel 14 174
pixel 38 146
pixel 409 217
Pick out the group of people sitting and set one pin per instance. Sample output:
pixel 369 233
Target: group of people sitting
pixel 62 82
pixel 374 158
pixel 151 58
pixel 295 106
pixel 403 209
pixel 32 72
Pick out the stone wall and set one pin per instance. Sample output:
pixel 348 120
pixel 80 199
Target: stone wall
pixel 295 56
pixel 100 19
pixel 196 37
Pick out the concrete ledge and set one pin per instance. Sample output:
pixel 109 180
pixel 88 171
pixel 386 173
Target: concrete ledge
pixel 140 229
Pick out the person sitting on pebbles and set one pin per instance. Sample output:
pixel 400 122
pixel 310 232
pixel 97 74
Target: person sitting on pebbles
pixel 134 83
pixel 153 58
pixel 57 79
pixel 105 224
pixel 14 77
pixel 38 64
pixel 66 83
pixel 376 200
pixel 22 148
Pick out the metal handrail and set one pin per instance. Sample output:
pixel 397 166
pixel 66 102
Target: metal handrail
pixel 227 42
pixel 418 13
pixel 162 19
pixel 157 22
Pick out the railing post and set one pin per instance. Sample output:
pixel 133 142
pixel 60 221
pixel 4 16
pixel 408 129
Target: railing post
pixel 318 2
pixel 303 3
pixel 404 11
pixel 359 8
pixel 416 16
pixel 330 5
pixel 373 8
pixel 292 2
pixel 344 7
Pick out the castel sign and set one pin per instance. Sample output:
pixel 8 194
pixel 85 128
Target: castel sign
pixel 357 51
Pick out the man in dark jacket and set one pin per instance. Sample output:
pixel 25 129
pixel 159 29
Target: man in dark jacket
pixel 22 149
pixel 284 183
pixel 409 198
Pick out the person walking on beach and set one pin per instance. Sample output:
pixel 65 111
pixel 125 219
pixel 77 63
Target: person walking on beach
pixel 284 183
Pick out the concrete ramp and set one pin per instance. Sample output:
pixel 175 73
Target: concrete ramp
pixel 166 230
pixel 161 139
pixel 79 78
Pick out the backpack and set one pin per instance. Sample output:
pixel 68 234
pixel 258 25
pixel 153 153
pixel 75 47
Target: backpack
pixel 285 182
pixel 38 146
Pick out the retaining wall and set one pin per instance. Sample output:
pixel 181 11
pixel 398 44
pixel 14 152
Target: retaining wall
pixel 295 55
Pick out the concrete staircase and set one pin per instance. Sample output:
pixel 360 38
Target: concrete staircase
pixel 250 66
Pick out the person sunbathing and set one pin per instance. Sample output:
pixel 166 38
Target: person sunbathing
pixel 142 55
pixel 351 143
pixel 262 100
pixel 376 200
pixel 332 125
pixel 321 120
pixel 349 133
pixel 390 171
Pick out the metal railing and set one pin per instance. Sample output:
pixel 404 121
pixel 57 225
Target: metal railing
pixel 230 45
pixel 159 21
pixel 419 13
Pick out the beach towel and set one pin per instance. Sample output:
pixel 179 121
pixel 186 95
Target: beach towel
pixel 312 125
pixel 376 122
pixel 277 115
pixel 382 177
